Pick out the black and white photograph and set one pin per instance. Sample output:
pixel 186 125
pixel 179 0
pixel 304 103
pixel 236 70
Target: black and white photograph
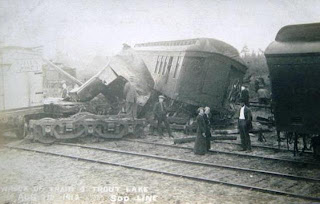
pixel 159 102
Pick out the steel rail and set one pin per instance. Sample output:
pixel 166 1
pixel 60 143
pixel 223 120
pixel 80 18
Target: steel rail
pixel 263 147
pixel 193 162
pixel 228 153
pixel 264 190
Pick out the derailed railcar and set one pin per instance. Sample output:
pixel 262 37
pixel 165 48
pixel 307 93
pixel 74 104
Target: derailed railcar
pixel 22 87
pixel 294 65
pixel 110 81
pixel 198 71
pixel 48 130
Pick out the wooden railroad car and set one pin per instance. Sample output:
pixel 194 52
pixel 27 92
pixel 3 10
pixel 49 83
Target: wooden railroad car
pixel 198 71
pixel 294 65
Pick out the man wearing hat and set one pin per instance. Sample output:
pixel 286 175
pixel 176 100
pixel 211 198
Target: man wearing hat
pixel 160 113
pixel 244 95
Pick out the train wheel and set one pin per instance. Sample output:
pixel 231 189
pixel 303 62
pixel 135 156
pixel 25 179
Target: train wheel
pixel 110 135
pixel 45 139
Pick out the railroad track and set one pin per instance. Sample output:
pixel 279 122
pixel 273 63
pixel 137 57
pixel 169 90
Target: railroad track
pixel 300 162
pixel 268 182
pixel 263 147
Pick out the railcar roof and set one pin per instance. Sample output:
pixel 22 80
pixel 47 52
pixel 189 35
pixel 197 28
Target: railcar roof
pixel 299 33
pixel 197 44
pixel 301 38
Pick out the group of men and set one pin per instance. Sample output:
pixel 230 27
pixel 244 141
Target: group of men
pixel 244 116
pixel 160 111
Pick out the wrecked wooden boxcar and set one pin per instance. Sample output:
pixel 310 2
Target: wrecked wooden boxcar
pixel 199 72
pixel 110 81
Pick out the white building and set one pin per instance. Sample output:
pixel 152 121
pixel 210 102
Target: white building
pixel 21 78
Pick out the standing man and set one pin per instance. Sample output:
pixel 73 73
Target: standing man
pixel 263 95
pixel 160 113
pixel 245 125
pixel 131 99
pixel 207 120
pixel 65 92
pixel 244 96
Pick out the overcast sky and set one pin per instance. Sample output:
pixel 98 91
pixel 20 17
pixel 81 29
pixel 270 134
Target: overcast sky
pixel 83 27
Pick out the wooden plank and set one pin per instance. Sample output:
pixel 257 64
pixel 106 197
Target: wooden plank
pixel 191 139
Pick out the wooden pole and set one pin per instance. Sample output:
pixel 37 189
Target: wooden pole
pixel 73 79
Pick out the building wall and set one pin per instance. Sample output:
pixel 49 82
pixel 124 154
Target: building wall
pixel 20 78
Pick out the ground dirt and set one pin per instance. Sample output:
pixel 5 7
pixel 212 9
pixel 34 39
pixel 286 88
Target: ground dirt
pixel 28 177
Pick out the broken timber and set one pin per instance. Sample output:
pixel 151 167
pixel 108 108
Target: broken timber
pixel 191 139
pixel 236 131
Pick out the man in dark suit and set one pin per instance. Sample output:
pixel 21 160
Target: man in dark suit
pixel 160 113
pixel 245 125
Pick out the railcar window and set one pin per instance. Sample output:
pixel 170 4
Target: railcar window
pixel 164 66
pixel 160 65
pixel 169 65
pixel 176 68
pixel 156 68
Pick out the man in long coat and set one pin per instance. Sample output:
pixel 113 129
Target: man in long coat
pixel 131 99
pixel 160 113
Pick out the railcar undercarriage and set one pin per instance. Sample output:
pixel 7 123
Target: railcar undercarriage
pixel 48 130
